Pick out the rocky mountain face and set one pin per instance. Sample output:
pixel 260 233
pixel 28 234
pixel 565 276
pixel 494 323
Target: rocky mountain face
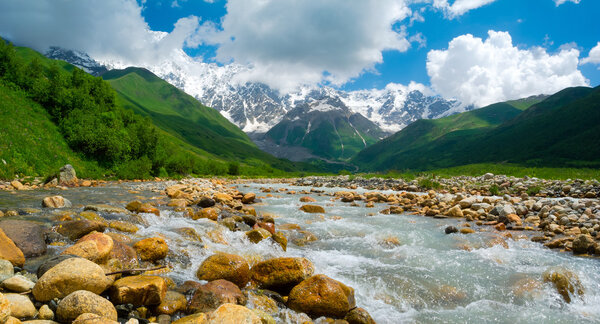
pixel 77 58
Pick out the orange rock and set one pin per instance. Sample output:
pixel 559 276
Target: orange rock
pixel 226 266
pixel 94 246
pixel 312 209
pixel 210 213
pixel 152 249
pixel 138 290
pixel 322 296
pixel 9 251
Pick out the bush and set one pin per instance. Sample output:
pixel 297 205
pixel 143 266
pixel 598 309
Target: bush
pixel 136 169
pixel 494 190
pixel 429 183
pixel 532 191
pixel 233 168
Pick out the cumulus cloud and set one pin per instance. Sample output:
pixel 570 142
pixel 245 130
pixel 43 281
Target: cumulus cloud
pixel 460 7
pixel 559 2
pixel 593 56
pixel 483 72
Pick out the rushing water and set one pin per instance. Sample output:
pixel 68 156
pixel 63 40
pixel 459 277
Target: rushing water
pixel 429 277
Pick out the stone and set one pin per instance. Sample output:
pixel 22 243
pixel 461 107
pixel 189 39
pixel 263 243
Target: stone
pixel 67 176
pixel 51 262
pixel 4 309
pixel 583 244
pixel 9 251
pixel 108 209
pixel 231 313
pixel 17 185
pixel 89 318
pixel 68 276
pixel 76 229
pixel 180 203
pixel 312 209
pixel 280 239
pixel 45 313
pixel 249 198
pixel 206 202
pixel 138 290
pixel 281 274
pixel 307 199
pixel 7 269
pixel 95 247
pixel 259 300
pixel 257 235
pixel 82 302
pixel 514 218
pixel 320 295
pixel 125 254
pixel 450 229
pixel 152 249
pixel 93 216
pixel 209 212
pixel 199 318
pixel 147 208
pixel 359 316
pixel 567 283
pixel 467 202
pixel 213 294
pixel 223 198
pixel 172 303
pixel 18 284
pixel 467 230
pixel 27 236
pixel 455 212
pixel 20 306
pixel 226 266
pixel 123 226
pixel 56 202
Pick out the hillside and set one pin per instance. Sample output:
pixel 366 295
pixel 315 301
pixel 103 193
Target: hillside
pixel 558 131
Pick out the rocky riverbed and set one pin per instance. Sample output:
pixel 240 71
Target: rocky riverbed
pixel 322 249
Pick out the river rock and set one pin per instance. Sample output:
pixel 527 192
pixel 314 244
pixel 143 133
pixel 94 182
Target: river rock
pixel 209 212
pixel 45 313
pixel 17 185
pixel 4 308
pixel 280 239
pixel 312 209
pixel 307 199
pixel 68 276
pixel 123 226
pixel 81 302
pixel 450 229
pixel 206 202
pixel 27 236
pixel 67 176
pixel 281 274
pixel 152 249
pixel 231 313
pixel 455 212
pixel 51 262
pixel 320 295
pixel 103 208
pixel 230 267
pixel 359 316
pixel 76 229
pixel 198 318
pixel 124 253
pixel 95 247
pixel 467 202
pixel 138 290
pixel 466 230
pixel 583 244
pixel 56 202
pixel 9 251
pixel 249 198
pixel 18 284
pixel 7 269
pixel 89 318
pixel 213 294
pixel 566 282
pixel 257 235
pixel 20 306
pixel 172 303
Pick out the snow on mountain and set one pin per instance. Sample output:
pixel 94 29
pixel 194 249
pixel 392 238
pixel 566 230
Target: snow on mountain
pixel 256 108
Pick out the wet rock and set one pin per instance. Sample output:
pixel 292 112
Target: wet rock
pixel 51 262
pixel 152 249
pixel 259 300
pixel 82 302
pixel 7 269
pixel 17 185
pixel 18 284
pixel 312 209
pixel 123 226
pixel 67 176
pixel 248 198
pixel 557 243
pixel 257 235
pixel 222 198
pixel 102 208
pixel 467 202
pixel 455 212
pixel 4 309
pixel 450 229
pixel 95 247
pixel 467 230
pixel 206 202
pixel 280 239
pixel 199 318
pixel 209 213
pixel 125 254
pixel 307 199
pixel 527 288
pixel 45 313
pixel 567 283
pixel 320 295
pixel 172 303
pixel 68 276
pixel 359 316
pixel 76 229
pixel 230 267
pixel 89 318
pixel 583 244
pixel 231 313
pixel 138 290
pixel 181 203
pixel 27 236
pixel 281 274
pixel 301 238
pixel 20 306
pixel 213 294
pixel 56 202
pixel 9 251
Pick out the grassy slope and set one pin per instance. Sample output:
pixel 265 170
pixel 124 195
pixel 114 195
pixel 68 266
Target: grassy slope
pixel 559 131
pixel 30 143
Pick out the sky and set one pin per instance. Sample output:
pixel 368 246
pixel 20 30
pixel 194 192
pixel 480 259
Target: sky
pixel 477 51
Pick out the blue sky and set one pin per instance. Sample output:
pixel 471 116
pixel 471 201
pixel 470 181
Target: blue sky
pixel 530 23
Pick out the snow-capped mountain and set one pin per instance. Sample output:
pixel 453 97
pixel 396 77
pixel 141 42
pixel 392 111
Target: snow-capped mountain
pixel 256 108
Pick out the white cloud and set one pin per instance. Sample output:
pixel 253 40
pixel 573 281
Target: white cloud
pixel 484 72
pixel 460 7
pixel 593 56
pixel 559 2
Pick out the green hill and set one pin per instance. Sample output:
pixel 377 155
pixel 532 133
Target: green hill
pixel 558 131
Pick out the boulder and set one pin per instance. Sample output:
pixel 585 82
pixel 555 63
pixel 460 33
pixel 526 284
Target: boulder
pixel 27 236
pixel 45 313
pixel 312 209
pixel 18 284
pixel 222 197
pixel 108 209
pixel 67 176
pixel 455 212
pixel 307 199
pixel 172 303
pixel 17 185
pixel 125 254
pixel 467 202
pixel 20 306
pixel 231 313
pixel 89 318
pixel 206 202
pixel 567 283
pixel 76 229
pixel 56 202
pixel 123 226
pixel 280 239
pixel 359 316
pixel 152 249
pixel 249 198
pixel 138 290
pixel 467 230
pixel 95 247
pixel 7 269
pixel 82 302
pixel 9 251
pixel 257 235
pixel 583 244
pixel 209 212
pixel 450 229
pixel 213 294
pixel 68 276
pixel 198 318
pixel 51 262
pixel 4 309
pixel 320 295
pixel 230 267
pixel 281 274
